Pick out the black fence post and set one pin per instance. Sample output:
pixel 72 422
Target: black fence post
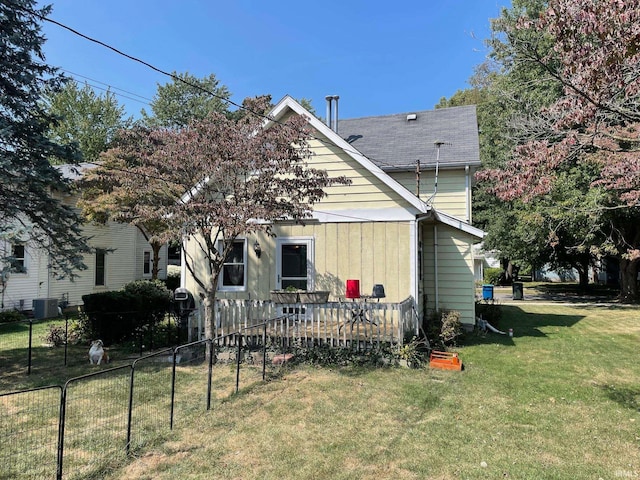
pixel 130 412
pixel 210 374
pixel 66 336
pixel 264 351
pixel 61 422
pixel 239 353
pixel 173 388
pixel 30 346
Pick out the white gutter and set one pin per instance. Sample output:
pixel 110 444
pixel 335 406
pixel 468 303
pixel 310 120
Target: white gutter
pixel 467 194
pixel 415 249
pixel 435 266
pixel 183 263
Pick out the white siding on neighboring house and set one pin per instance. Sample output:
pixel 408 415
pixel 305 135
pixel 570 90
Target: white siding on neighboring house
pixel 142 247
pixel 120 266
pixel 20 287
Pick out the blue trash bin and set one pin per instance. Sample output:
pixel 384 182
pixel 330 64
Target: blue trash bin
pixel 487 292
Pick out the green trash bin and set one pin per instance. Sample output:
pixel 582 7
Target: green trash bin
pixel 517 289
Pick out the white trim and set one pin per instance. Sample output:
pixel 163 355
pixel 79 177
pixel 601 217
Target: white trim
pixel 288 102
pixel 310 243
pixel 458 224
pixel 363 215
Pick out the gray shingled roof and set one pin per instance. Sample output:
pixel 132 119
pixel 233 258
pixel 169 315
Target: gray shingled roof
pixel 393 142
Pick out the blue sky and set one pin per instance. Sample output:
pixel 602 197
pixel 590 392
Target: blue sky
pixel 381 58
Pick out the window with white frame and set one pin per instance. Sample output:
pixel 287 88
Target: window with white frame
pixel 101 255
pixel 233 276
pixel 147 264
pixel 18 258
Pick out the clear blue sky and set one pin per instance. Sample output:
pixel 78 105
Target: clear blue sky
pixel 381 58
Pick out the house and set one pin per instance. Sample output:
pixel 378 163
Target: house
pixel 121 255
pixel 404 222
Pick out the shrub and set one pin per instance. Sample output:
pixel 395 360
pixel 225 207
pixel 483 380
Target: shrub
pixel 56 335
pixel 492 275
pixel 442 328
pixel 110 316
pixel 451 327
pixel 131 312
pixel 11 316
pixel 173 277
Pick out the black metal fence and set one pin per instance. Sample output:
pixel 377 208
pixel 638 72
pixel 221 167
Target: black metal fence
pixel 30 344
pixel 95 420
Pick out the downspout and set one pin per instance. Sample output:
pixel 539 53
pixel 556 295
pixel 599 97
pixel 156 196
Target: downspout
pixel 467 186
pixel 183 263
pixel 435 266
pixel 416 257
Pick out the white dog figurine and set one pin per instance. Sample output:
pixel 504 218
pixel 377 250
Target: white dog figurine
pixel 97 353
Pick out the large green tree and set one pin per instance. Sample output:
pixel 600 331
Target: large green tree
pixel 83 117
pixel 184 99
pixel 29 210
pixel 124 189
pixel 586 137
pixel 510 91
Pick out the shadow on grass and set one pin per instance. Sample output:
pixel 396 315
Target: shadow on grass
pixel 626 397
pixel 524 324
pixel 571 293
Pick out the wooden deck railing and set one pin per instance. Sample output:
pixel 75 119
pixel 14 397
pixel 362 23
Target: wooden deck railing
pixel 339 324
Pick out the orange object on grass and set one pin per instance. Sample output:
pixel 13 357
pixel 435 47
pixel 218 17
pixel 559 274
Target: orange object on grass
pixel 445 360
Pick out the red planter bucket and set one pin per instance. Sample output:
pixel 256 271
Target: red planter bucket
pixel 353 289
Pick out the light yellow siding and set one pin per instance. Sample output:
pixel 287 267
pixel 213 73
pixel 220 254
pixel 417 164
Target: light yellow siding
pixel 372 252
pixel 365 191
pixel 452 195
pixel 455 282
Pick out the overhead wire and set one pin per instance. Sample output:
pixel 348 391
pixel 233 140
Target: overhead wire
pixel 177 78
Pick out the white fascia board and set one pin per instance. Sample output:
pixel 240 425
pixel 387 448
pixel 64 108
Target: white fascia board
pixel 287 102
pixel 458 224
pixel 363 215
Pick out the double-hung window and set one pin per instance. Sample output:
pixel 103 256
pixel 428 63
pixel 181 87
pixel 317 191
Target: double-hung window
pixel 18 259
pixel 147 264
pixel 101 255
pixel 233 276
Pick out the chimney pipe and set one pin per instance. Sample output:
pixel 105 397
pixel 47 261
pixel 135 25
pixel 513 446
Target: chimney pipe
pixel 328 98
pixel 335 115
pixel 332 117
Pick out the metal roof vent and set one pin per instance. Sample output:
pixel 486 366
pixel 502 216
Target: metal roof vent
pixel 412 116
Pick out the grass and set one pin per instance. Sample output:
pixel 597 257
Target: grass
pixel 559 400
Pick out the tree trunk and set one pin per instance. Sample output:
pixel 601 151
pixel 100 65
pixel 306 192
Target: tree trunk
pixel 582 267
pixel 209 315
pixel 629 280
pixel 155 246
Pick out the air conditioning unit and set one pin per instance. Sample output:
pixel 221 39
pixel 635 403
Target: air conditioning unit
pixel 45 308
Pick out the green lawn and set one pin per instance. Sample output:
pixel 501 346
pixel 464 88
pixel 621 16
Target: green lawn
pixel 559 400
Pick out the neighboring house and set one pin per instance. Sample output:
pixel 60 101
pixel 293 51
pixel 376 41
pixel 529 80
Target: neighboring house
pixel 483 259
pixel 387 227
pixel 122 255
